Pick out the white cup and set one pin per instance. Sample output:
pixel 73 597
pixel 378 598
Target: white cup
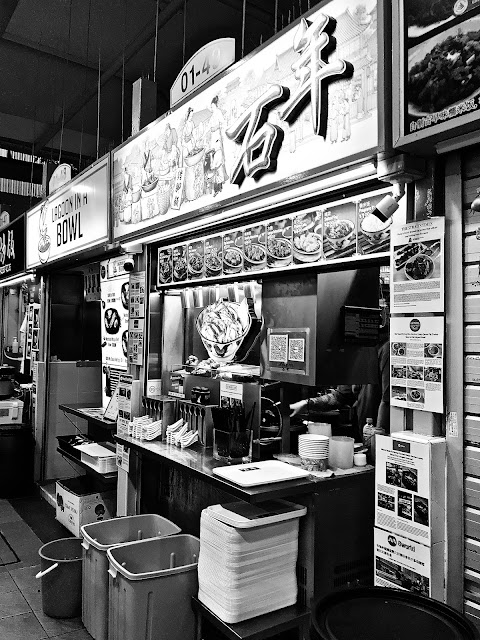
pixel 340 452
pixel 359 459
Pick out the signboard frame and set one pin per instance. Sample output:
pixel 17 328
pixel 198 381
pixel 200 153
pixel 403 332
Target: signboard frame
pixel 14 232
pixel 258 190
pixel 32 217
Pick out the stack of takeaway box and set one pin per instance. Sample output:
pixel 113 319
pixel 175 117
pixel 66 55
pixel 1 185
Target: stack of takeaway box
pixel 410 513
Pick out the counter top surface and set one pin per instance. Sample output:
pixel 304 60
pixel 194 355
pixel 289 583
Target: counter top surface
pixel 200 461
pixel 80 410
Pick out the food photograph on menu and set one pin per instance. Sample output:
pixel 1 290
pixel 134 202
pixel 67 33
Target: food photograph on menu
pixel 442 42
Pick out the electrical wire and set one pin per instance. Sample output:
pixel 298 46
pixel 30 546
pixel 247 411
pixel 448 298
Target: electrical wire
pixel 65 73
pixel 184 29
pixel 244 11
pixel 156 44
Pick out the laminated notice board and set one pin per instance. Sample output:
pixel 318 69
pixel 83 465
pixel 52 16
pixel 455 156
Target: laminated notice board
pixel 410 486
pixel 401 563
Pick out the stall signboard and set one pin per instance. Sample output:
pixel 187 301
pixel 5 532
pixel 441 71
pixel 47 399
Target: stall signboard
pixel 417 363
pixel 73 219
pixel 12 248
pixel 418 266
pixel 303 103
pixel 342 230
pixel 438 70
pixel 205 64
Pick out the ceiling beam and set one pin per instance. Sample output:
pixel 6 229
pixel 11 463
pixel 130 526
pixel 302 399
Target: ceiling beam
pixel 84 97
pixel 37 47
pixel 7 9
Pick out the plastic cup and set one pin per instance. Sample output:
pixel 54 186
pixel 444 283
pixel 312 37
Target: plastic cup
pixel 320 428
pixel 340 453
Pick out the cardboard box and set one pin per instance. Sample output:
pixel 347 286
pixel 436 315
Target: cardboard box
pixel 410 486
pixel 401 563
pixel 78 504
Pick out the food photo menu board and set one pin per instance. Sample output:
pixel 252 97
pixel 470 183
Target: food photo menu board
pixel 338 231
pixel 440 72
pixel 417 266
pixel 417 363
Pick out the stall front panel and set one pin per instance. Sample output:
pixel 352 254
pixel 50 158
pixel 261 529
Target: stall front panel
pixel 75 218
pixel 302 104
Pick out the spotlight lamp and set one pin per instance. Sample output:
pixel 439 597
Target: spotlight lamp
pixel 389 204
pixel 475 206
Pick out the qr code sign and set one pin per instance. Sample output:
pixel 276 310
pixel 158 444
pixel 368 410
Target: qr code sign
pixel 296 350
pixel 278 345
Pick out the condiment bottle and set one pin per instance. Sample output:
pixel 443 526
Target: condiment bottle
pixel 369 433
pixel 15 345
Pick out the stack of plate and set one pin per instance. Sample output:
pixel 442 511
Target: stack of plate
pixel 246 567
pixel 313 451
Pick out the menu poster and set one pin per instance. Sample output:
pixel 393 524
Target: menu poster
pixel 255 248
pixel 196 255
pixel 307 237
pixel 165 266
pixel 373 234
pixel 91 280
pixel 231 394
pixel 416 363
pixel 340 231
pixel 135 340
pixel 441 77
pixel 213 256
pixel 417 266
pixel 279 242
pixel 179 263
pixel 137 295
pixel 115 303
pixel 123 457
pixel 125 384
pixel 233 252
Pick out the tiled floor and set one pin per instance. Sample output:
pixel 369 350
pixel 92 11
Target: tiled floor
pixel 21 615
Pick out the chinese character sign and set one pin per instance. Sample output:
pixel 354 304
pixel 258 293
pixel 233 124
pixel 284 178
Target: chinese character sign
pixel 303 102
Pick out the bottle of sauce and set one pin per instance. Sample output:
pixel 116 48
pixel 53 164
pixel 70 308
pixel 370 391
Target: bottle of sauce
pixel 369 433
pixel 15 346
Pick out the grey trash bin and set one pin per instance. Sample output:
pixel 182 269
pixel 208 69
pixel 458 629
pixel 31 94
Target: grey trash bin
pixel 61 575
pixel 98 537
pixel 151 586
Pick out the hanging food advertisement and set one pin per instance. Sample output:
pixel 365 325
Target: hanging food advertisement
pixel 115 306
pixel 12 248
pixel 301 104
pixel 75 218
pixel 417 266
pixel 439 67
pixel 416 363
pixel 137 294
pixel 345 229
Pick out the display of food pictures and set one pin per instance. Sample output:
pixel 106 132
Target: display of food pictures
pixel 165 265
pixel 443 69
pixel 307 241
pixel 416 363
pixel 417 266
pixel 179 259
pixel 279 242
pixel 233 252
pixel 255 248
pixel 373 233
pixel 311 236
pixel 196 259
pixel 339 231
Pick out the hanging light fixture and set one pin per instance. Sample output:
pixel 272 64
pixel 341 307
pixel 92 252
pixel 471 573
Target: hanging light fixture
pixel 475 206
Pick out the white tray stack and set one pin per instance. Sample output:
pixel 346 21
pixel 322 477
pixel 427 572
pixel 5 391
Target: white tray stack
pixel 248 556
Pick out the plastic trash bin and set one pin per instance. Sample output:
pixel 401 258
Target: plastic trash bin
pixel 377 613
pixel 151 586
pixel 98 537
pixel 61 574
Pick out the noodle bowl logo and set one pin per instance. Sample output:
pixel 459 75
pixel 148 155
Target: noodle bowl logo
pixel 415 324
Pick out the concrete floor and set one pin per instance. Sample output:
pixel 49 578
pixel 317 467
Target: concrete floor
pixel 21 615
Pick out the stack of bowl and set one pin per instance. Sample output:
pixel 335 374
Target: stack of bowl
pixel 313 451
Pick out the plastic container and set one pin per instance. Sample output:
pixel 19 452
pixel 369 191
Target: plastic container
pixel 98 537
pixel 378 613
pixel 61 575
pixel 151 586
pixel 368 435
